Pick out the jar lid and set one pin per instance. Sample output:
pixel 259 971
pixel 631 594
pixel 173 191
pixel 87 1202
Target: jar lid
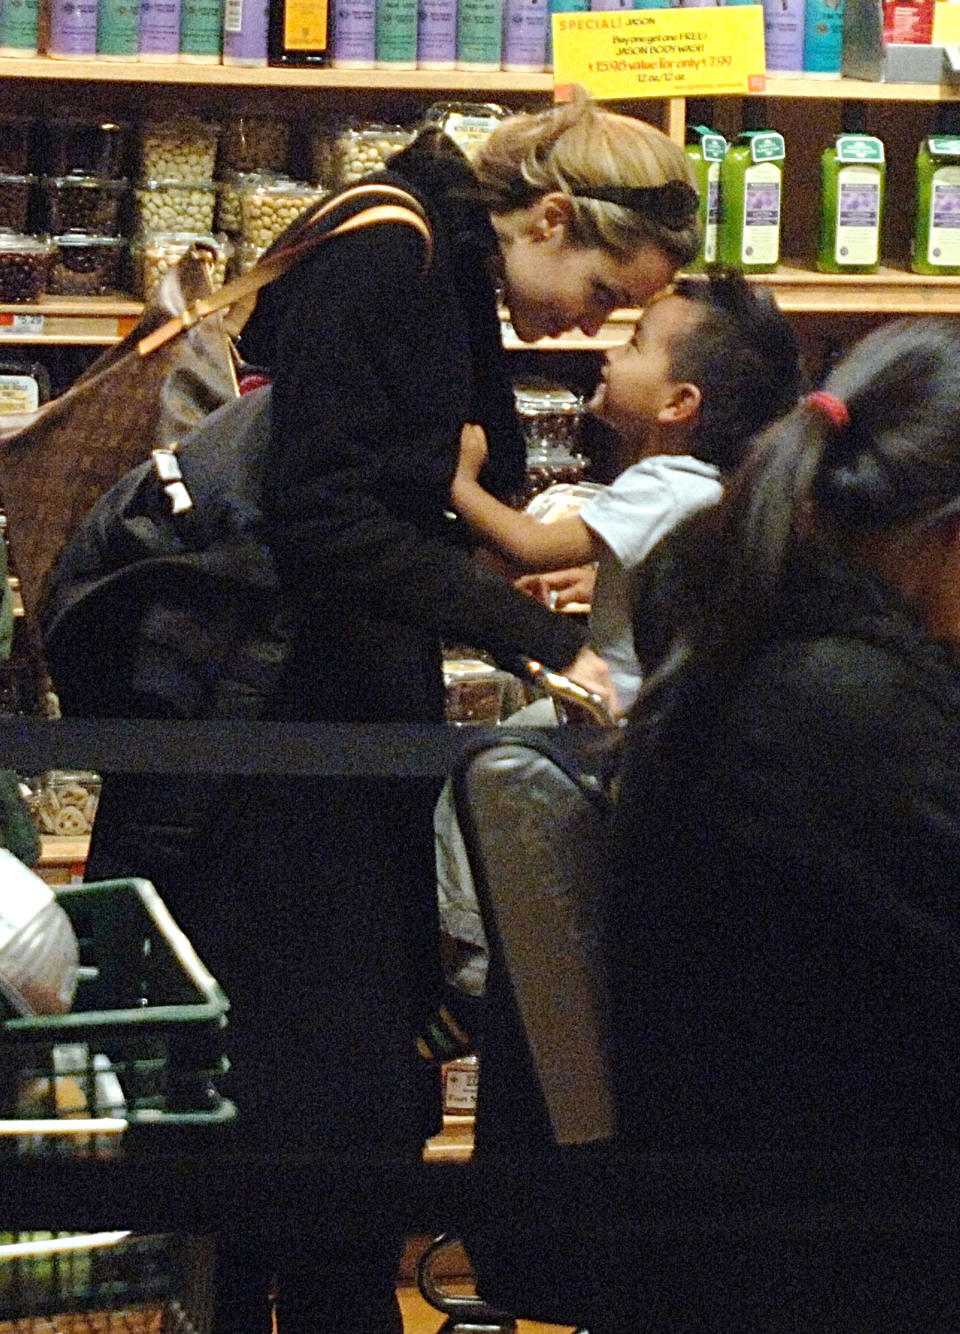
pixel 76 181
pixel 175 183
pixel 218 242
pixel 66 240
pixel 8 179
pixel 284 186
pixel 20 241
pixel 534 399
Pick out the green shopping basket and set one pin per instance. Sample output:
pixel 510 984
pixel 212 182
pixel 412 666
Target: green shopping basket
pixel 143 1044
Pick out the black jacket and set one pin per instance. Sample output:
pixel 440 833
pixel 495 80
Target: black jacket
pixel 785 895
pixel 377 367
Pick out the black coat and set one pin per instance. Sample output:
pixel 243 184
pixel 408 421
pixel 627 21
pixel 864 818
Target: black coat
pixel 314 901
pixel 784 886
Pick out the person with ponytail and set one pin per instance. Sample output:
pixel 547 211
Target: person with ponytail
pixel 784 874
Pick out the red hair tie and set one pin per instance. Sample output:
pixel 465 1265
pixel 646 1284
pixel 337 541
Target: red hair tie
pixel 833 408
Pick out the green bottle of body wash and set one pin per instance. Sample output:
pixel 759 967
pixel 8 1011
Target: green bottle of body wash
pixel 936 226
pixel 751 189
pixel 706 150
pixel 852 180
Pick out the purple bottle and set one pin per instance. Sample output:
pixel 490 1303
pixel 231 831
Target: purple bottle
pixel 159 30
pixel 245 28
pixel 525 34
pixel 73 29
pixel 437 34
pixel 354 30
pixel 783 25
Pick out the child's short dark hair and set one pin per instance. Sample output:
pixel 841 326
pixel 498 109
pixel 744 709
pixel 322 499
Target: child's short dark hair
pixel 744 357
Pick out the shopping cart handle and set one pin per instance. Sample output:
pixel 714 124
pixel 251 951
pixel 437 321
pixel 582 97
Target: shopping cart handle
pixel 562 689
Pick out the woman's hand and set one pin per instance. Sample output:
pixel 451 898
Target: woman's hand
pixel 560 588
pixel 473 452
pixel 589 670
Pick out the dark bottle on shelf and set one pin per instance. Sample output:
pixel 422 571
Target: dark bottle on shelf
pixel 299 32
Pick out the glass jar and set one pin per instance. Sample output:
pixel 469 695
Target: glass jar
pixel 16 193
pixel 16 139
pixel 86 265
pixel 266 211
pixel 83 204
pixel 64 803
pixel 87 147
pixel 152 256
pixel 468 124
pixel 551 418
pixel 24 266
pixel 255 143
pixel 173 205
pixel 183 149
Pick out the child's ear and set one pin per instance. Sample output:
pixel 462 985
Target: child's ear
pixel 682 405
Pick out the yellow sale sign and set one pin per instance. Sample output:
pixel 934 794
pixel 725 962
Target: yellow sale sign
pixel 635 53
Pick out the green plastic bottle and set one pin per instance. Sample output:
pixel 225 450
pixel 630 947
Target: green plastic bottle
pixel 852 179
pixel 706 150
pixel 936 226
pixel 751 189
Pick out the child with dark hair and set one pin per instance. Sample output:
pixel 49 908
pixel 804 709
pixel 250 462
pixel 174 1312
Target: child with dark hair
pixel 711 363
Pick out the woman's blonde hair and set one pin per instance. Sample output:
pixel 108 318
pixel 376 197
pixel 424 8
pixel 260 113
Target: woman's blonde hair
pixel 577 146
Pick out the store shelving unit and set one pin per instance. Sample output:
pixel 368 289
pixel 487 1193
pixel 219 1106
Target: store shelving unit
pixel 808 111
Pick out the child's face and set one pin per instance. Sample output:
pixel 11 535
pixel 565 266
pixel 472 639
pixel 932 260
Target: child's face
pixel 636 383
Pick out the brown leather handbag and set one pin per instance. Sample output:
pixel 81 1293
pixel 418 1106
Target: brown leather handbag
pixel 148 391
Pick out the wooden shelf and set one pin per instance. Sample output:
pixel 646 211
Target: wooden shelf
pixel 454 1144
pixel 269 76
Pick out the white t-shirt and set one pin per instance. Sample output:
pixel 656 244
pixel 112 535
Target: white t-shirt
pixel 630 516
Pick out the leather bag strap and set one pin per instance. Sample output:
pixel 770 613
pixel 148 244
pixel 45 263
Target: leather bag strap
pixel 310 236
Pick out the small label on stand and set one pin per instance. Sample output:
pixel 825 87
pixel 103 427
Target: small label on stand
pixel 21 325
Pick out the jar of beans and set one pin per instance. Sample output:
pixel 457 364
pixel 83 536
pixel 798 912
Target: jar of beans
pixel 348 152
pixel 152 256
pixel 232 185
pixel 268 210
pixel 85 265
pixel 182 149
pixel 174 206
pixel 88 147
pixel 16 194
pixel 83 204
pixel 24 266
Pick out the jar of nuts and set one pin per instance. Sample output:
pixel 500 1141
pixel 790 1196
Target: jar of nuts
pixel 255 143
pixel 86 265
pixel 268 210
pixel 83 204
pixel 24 266
pixel 183 149
pixel 152 256
pixel 16 193
pixel 231 186
pixel 173 206
pixel 346 153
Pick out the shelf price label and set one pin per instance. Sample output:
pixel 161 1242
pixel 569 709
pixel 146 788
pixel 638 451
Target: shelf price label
pixel 28 324
pixel 635 53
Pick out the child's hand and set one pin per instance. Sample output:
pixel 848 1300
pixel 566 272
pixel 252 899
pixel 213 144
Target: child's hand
pixel 557 589
pixel 473 452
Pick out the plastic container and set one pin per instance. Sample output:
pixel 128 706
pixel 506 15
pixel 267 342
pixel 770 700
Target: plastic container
pixel 16 145
pixel 73 29
pixel 783 26
pixel 174 205
pixel 201 32
pixel 82 203
pixel 268 210
pixel 86 147
pixel 24 385
pixel 182 149
pixel 246 25
pixel 468 124
pixel 346 153
pixel 476 692
pixel 255 143
pixel 16 194
pixel 706 150
pixel 118 29
pixel 25 263
pixel 551 416
pixel 751 188
pixel 852 181
pixel 152 256
pixel 86 265
pixel 936 228
pixel 145 999
pixel 823 39
pixel 64 802
pixel 231 188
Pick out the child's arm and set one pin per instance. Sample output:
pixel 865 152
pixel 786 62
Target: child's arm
pixel 525 540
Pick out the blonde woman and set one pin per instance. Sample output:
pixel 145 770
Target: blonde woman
pixel 324 932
